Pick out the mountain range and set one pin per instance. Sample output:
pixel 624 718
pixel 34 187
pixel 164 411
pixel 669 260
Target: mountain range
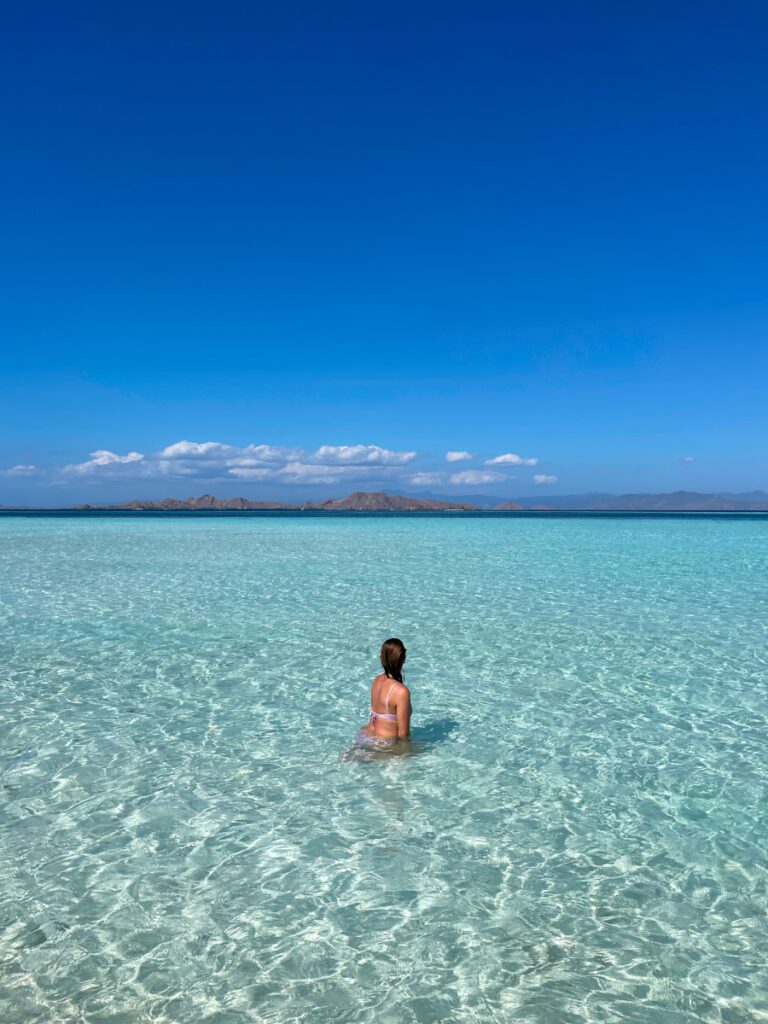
pixel 360 501
pixel 381 501
pixel 676 501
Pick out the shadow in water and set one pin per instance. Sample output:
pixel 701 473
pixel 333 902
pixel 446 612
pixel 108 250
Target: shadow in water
pixel 422 738
pixel 434 732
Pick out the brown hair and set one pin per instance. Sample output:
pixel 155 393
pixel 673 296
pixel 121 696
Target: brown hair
pixel 392 658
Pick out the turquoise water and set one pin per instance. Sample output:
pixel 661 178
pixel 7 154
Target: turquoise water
pixel 578 833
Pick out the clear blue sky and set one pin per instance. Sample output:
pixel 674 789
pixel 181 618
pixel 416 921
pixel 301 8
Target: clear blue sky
pixel 365 235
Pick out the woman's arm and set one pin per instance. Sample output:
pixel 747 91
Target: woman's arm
pixel 403 705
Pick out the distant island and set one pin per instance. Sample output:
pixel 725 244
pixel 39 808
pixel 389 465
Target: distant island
pixel 676 501
pixel 360 501
pixel 380 501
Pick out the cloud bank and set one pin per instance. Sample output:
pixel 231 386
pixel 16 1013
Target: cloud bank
pixel 366 465
pixel 213 460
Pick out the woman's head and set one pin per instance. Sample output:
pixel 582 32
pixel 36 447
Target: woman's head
pixel 393 658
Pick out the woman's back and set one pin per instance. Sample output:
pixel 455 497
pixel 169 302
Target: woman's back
pixel 390 708
pixel 390 716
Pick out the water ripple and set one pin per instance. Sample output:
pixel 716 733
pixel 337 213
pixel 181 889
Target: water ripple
pixel 579 832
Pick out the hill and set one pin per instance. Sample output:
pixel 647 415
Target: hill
pixel 378 501
pixel 203 503
pixel 360 501
pixel 676 501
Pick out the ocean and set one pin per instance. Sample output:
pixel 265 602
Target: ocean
pixel 578 831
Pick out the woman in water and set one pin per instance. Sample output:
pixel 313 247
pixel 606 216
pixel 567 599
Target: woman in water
pixel 390 699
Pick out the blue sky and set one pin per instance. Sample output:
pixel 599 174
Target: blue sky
pixel 334 242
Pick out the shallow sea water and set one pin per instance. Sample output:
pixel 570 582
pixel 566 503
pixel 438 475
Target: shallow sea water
pixel 578 833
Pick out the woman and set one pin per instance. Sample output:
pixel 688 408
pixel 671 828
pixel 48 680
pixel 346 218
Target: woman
pixel 390 699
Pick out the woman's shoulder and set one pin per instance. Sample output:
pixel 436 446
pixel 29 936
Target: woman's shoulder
pixel 398 688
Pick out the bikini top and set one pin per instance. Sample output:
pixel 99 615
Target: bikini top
pixel 381 714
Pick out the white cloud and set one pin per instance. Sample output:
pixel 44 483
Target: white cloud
pixel 509 459
pixel 191 449
pixel 20 470
pixel 308 470
pixel 457 456
pixel 101 459
pixel 477 476
pixel 246 473
pixel 360 454
pixel 232 455
pixel 542 478
pixel 426 479
pixel 687 458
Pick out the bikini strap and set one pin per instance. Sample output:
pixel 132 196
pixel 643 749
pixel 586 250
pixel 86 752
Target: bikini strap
pixel 386 703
